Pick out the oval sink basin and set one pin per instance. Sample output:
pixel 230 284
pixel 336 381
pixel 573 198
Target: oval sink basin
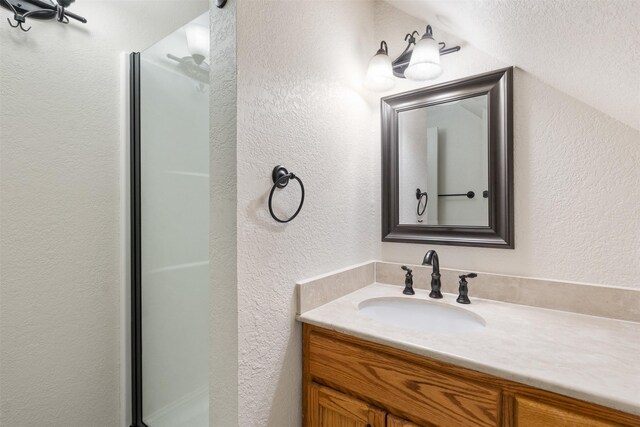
pixel 421 315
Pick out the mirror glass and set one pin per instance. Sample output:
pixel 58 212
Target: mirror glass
pixel 443 164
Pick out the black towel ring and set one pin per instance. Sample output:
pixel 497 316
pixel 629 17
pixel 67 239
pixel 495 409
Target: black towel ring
pixel 419 196
pixel 281 177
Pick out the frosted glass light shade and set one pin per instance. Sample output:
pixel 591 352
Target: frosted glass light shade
pixel 380 73
pixel 198 41
pixel 425 60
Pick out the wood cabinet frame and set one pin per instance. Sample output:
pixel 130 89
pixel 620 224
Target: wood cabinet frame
pixel 361 352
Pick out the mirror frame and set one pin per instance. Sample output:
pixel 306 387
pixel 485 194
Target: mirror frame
pixel 498 86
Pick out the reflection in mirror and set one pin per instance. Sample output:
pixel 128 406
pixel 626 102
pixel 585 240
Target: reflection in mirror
pixel 443 155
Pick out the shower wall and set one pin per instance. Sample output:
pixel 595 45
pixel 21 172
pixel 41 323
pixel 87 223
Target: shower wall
pixel 174 115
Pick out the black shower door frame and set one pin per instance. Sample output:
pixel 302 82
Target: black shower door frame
pixel 136 242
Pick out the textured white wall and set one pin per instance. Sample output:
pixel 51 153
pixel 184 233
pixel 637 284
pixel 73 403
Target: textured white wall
pixel 223 296
pixel 577 181
pixel 59 211
pixel 300 69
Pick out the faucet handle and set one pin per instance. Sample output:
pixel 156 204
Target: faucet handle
pixel 463 289
pixel 408 281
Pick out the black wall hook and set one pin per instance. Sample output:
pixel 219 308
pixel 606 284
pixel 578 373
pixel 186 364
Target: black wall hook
pixel 281 177
pixel 39 9
pixel 19 19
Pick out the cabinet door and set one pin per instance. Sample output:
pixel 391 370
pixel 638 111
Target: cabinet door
pixel 532 413
pixel 393 421
pixel 329 408
pixel 400 383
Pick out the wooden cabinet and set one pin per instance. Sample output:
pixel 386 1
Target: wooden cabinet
pixel 531 413
pixel 353 382
pixel 393 421
pixel 402 385
pixel 329 408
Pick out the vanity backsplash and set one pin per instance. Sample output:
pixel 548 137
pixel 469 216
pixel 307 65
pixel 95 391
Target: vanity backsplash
pixel 595 300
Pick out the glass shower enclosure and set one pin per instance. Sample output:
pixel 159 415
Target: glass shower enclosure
pixel 170 229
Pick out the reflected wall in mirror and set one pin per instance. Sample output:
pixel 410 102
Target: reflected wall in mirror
pixel 443 163
pixel 447 163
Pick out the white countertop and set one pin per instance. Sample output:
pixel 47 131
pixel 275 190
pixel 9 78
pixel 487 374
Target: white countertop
pixel 595 359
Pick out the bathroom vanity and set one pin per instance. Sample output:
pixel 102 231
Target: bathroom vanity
pixel 371 359
pixel 354 382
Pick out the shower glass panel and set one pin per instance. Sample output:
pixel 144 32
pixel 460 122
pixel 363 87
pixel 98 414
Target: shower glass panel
pixel 174 228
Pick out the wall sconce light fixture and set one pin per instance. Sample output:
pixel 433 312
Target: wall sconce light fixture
pixel 380 71
pixel 419 62
pixel 196 65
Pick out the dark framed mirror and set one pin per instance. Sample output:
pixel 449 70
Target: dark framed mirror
pixel 447 163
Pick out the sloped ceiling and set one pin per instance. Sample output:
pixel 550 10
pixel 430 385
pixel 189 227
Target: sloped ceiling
pixel 589 49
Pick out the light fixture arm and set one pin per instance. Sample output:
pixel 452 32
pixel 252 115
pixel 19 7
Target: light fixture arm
pixel 384 49
pixel 447 50
pixel 428 32
pixel 405 56
pixel 411 38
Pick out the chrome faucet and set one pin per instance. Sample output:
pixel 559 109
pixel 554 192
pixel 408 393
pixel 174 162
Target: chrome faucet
pixel 431 258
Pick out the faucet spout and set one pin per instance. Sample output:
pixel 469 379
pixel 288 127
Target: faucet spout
pixel 431 258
